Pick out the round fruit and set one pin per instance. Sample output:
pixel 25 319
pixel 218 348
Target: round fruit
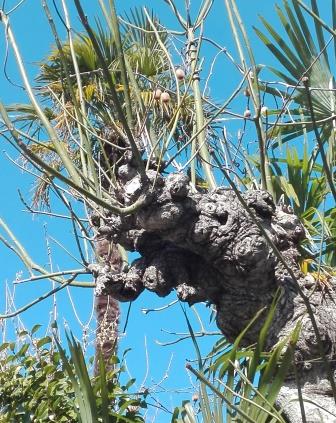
pixel 165 97
pixel 180 74
pixel 157 94
pixel 247 113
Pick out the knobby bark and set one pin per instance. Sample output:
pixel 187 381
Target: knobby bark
pixel 206 247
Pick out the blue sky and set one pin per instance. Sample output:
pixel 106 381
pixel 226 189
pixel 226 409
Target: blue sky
pixel 35 40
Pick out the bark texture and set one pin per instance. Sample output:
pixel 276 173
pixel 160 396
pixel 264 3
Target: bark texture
pixel 107 307
pixel 206 247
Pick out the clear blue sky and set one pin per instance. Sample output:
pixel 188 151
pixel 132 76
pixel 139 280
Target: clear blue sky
pixel 35 40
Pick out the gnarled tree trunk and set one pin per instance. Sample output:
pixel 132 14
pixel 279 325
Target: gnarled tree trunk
pixel 207 247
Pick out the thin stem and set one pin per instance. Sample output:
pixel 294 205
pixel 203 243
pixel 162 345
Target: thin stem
pixel 317 18
pixel 328 173
pixel 52 275
pixel 122 63
pixel 21 252
pixel 230 404
pixel 199 113
pixel 114 95
pixel 39 299
pixel 35 159
pixel 266 178
pixel 81 114
pixel 59 147
pixel 298 385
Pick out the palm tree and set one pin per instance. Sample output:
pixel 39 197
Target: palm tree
pixel 229 247
pixel 146 59
pixel 59 90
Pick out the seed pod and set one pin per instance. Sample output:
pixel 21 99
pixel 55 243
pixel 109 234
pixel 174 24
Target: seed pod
pixel 247 92
pixel 247 113
pixel 180 74
pixel 157 94
pixel 165 97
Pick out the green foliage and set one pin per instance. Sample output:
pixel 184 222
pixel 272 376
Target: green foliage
pixel 304 187
pixel 141 50
pixel 301 184
pixel 147 54
pixel 141 45
pixel 241 384
pixel 52 69
pixel 300 56
pixel 38 382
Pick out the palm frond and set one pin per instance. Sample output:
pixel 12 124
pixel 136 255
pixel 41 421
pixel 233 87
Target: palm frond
pixel 300 55
pixel 141 45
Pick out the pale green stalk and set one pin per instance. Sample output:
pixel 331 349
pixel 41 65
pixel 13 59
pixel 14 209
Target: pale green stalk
pixel 67 75
pixel 326 168
pixel 205 9
pixel 34 158
pixel 199 114
pixel 91 170
pixel 176 116
pixel 240 51
pixel 135 86
pixel 91 131
pixel 195 134
pixel 122 64
pixel 250 402
pixel 128 71
pixel 61 151
pixel 316 18
pixel 206 382
pixel 193 151
pixel 21 252
pixel 258 120
pixel 51 275
pixel 113 92
pixel 250 53
pixel 39 299
pixel 255 391
pixel 18 249
pixel 95 187
pixel 182 21
pixel 113 24
pixel 266 179
pixel 95 184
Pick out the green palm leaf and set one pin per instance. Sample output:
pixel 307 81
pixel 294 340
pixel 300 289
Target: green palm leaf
pixel 300 56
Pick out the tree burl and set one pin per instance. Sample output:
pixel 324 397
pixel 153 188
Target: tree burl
pixel 206 247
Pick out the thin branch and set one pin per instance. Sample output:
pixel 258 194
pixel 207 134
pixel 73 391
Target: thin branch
pixel 52 275
pixel 38 300
pixel 328 173
pixel 108 77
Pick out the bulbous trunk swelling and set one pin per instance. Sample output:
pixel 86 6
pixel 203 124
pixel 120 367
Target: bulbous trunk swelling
pixel 207 247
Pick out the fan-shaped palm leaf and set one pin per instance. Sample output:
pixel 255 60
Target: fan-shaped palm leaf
pixel 301 56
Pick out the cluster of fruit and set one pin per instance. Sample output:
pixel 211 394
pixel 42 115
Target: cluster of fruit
pixel 164 96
